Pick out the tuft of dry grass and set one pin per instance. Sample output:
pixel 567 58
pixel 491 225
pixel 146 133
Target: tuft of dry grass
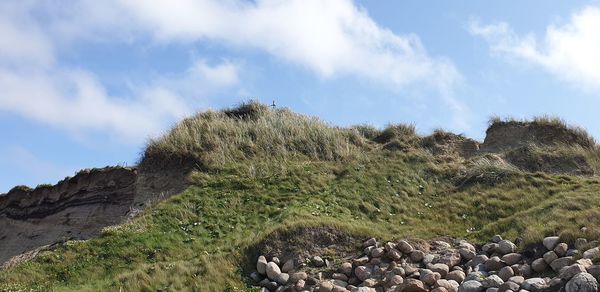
pixel 214 138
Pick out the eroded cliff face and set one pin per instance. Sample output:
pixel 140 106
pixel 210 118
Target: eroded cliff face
pixel 75 208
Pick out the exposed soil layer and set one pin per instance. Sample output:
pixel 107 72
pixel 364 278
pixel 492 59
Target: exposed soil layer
pixel 75 208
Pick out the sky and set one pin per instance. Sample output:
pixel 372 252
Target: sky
pixel 87 83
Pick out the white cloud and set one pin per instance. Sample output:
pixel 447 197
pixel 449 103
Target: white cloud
pixel 330 38
pixel 569 51
pixel 333 38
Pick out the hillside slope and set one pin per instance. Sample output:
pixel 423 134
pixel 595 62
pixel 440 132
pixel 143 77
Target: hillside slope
pixel 266 181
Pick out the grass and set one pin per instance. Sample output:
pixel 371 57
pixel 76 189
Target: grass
pixel 197 239
pixel 272 171
pixel 213 139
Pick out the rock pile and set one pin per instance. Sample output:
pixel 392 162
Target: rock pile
pixel 443 267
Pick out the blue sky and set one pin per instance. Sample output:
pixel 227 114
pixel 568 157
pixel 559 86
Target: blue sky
pixel 87 83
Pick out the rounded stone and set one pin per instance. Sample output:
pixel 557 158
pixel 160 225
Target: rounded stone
pixel 582 282
pixel 272 270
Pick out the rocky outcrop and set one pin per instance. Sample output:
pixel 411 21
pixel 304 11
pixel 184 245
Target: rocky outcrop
pixel 75 208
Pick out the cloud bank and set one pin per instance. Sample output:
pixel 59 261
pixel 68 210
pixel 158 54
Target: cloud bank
pixel 569 51
pixel 332 39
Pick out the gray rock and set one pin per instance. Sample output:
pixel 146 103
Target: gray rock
pixel 325 286
pixel 539 265
pixel 389 246
pixel 582 282
pixel 256 277
pixel 511 258
pixel 450 259
pixel 442 269
pixel 506 246
pixel 479 259
pixel 404 247
pixel 591 253
pixel 561 249
pixel 474 276
pixel 550 242
pixel 572 252
pixel 295 277
pixel 512 286
pixel 282 279
pixel 458 276
pixel 534 284
pixel 525 270
pixel 346 268
pixel 568 272
pixel 489 248
pixel 276 260
pixel 339 283
pixel 361 261
pixel 517 279
pixel 317 261
pixel 471 286
pixel 496 238
pixel 594 271
pixel 300 284
pixel 559 263
pixel 377 252
pixel 549 256
pixel 467 253
pixel 505 273
pixel 493 264
pixel 261 265
pixel 416 256
pixel 272 270
pixel 492 281
pixel 362 273
pixel 396 280
pixel 428 277
pixel 339 276
pixel 370 242
pixel 394 254
pixel 412 285
pixel 428 259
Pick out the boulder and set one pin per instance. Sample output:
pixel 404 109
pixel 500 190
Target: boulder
pixel 282 278
pixel 559 263
pixel 534 284
pixel 493 264
pixel 492 281
pixel 496 238
pixel 561 249
pixel 417 256
pixel 428 277
pixel 582 282
pixel 512 286
pixel 404 247
pixel 317 261
pixel 346 268
pixel 471 286
pixel 506 246
pixel 295 277
pixel 458 276
pixel 272 271
pixel 362 273
pixel 261 265
pixel 377 252
pixel 550 242
pixel 442 269
pixel 568 272
pixel 511 258
pixel 370 242
pixel 539 265
pixel 412 285
pixel 505 273
pixel 325 286
pixel 591 253
pixel 550 256
pixel 450 259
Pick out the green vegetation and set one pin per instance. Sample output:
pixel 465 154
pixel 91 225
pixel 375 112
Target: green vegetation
pixel 269 171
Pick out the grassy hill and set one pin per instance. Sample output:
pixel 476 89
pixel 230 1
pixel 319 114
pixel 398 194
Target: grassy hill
pixel 262 174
